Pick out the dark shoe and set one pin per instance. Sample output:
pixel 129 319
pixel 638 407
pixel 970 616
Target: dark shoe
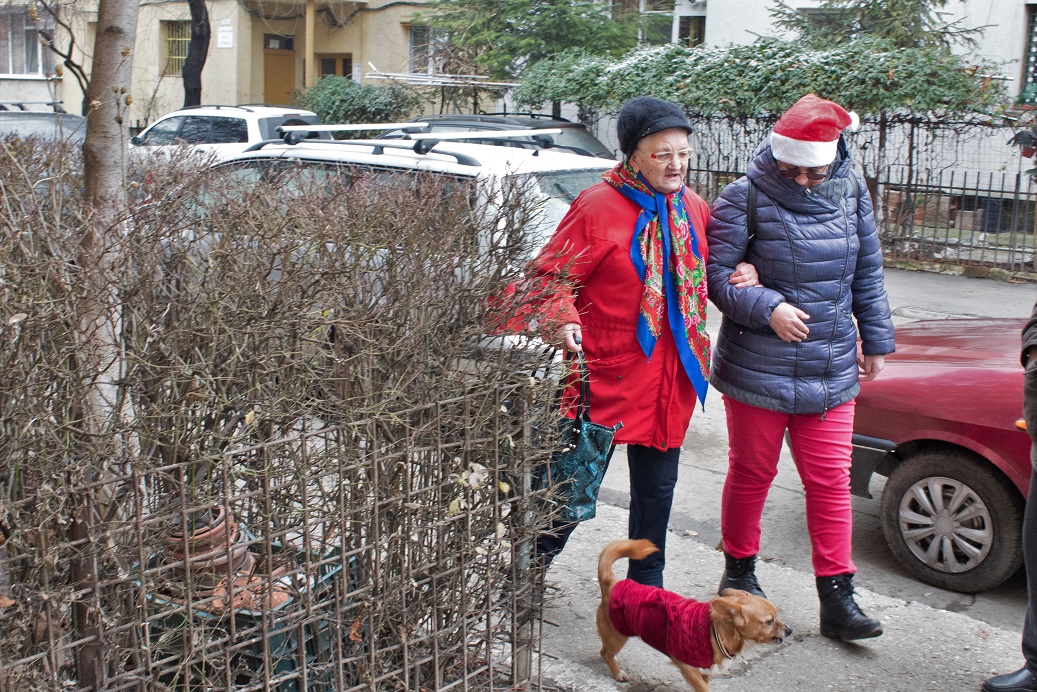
pixel 841 617
pixel 1021 680
pixel 740 573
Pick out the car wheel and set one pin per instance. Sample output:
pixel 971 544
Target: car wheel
pixel 953 521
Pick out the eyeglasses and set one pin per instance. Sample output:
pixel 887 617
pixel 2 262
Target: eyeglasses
pixel 666 156
pixel 816 173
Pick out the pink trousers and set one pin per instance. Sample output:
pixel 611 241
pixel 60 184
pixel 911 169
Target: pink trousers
pixel 821 449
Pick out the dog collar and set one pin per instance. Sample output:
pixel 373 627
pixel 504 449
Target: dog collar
pixel 720 644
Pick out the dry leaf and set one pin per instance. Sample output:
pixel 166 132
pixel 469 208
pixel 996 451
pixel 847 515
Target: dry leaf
pixel 355 631
pixel 6 602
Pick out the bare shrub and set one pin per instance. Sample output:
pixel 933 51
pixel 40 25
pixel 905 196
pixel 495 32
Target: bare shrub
pixel 304 477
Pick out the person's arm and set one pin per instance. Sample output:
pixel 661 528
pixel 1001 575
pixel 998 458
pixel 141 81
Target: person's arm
pixel 1029 352
pixel 556 273
pixel 870 302
pixel 1029 360
pixel 728 247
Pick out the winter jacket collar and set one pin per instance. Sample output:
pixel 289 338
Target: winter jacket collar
pixel 826 197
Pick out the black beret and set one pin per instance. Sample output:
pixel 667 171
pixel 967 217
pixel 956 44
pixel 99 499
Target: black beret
pixel 646 115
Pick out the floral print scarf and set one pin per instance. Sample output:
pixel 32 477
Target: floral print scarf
pixel 665 253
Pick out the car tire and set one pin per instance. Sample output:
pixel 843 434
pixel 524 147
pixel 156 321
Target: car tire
pixel 953 521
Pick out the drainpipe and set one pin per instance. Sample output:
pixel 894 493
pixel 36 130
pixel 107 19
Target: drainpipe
pixel 310 56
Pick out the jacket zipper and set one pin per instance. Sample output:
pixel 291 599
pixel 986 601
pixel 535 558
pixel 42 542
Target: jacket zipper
pixel 838 305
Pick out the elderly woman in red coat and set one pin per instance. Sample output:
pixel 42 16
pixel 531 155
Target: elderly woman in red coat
pixel 633 250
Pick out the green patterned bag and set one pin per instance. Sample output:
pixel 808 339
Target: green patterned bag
pixel 578 467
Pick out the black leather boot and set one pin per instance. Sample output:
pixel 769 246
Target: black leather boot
pixel 740 573
pixel 841 617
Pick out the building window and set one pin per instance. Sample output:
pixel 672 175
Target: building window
pixel 426 50
pixel 278 42
pixel 335 66
pixel 692 31
pixel 23 43
pixel 176 40
pixel 1028 95
pixel 654 18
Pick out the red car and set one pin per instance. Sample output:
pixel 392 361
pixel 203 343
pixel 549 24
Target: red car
pixel 943 422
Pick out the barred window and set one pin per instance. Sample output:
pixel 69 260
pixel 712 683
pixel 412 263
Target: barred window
pixel 176 39
pixel 23 42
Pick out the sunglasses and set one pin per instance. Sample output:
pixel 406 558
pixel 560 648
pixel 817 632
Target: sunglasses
pixel 818 173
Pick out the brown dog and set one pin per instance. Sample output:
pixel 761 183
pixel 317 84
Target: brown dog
pixel 700 638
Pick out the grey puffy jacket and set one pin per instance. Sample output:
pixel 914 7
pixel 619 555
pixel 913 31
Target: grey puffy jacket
pixel 816 249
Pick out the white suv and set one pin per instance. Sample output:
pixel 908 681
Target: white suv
pixel 223 130
pixel 555 176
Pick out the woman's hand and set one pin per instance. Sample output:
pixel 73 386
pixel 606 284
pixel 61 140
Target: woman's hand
pixel 570 336
pixel 870 367
pixel 745 275
pixel 787 323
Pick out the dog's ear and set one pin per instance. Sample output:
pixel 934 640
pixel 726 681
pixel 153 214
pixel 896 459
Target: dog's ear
pixel 728 609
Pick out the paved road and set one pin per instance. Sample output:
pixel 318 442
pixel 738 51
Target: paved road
pixel 919 617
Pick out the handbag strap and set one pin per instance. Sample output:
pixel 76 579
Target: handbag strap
pixel 584 404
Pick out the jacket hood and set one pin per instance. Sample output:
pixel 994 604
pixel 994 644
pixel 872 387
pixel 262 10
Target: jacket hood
pixel 828 196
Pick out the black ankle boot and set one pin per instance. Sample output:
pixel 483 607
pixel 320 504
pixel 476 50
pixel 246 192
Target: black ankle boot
pixel 740 573
pixel 841 617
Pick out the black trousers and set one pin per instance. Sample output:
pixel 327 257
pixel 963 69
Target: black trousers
pixel 653 477
pixel 1030 564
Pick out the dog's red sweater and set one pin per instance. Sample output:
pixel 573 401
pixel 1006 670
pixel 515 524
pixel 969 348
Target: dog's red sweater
pixel 677 626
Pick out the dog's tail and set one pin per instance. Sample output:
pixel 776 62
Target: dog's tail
pixel 635 550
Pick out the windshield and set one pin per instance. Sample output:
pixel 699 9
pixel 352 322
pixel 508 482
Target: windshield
pixel 559 189
pixel 582 139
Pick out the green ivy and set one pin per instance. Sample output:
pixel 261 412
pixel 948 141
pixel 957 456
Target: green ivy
pixel 867 75
pixel 341 100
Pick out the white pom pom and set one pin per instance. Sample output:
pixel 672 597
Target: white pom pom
pixel 855 122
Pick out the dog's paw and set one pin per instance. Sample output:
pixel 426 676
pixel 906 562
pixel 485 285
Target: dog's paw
pixel 621 677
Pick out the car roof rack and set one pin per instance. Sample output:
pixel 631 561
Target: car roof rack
pixel 21 106
pixel 216 106
pixel 496 134
pixel 293 134
pixel 270 105
pixel 528 114
pixel 378 146
pixel 424 143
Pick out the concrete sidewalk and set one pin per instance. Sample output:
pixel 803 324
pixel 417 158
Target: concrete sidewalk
pixel 922 648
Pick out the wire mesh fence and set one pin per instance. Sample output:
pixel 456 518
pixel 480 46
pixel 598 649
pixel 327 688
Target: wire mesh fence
pixel 244 441
pixel 387 554
pixel 946 192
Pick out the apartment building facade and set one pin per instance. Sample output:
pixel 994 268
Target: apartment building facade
pixel 263 51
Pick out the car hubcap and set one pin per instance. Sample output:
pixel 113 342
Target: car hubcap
pixel 945 524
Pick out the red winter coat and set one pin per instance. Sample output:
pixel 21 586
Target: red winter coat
pixel 591 248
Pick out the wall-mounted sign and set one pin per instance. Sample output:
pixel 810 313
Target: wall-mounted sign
pixel 224 37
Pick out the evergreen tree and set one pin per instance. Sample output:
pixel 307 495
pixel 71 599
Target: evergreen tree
pixel 503 37
pixel 903 23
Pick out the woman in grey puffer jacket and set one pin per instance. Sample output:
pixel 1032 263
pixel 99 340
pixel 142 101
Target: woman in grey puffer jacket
pixel 787 355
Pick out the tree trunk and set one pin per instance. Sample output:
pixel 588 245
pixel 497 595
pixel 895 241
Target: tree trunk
pixel 197 51
pixel 98 328
pixel 109 95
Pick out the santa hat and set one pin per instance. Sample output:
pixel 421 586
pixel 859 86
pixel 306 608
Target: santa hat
pixel 808 133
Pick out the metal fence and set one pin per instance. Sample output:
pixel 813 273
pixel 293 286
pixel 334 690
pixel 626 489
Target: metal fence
pixel 945 192
pixel 244 442
pixel 389 555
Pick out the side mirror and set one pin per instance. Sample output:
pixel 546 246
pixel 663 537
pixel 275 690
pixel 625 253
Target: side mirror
pixel 136 140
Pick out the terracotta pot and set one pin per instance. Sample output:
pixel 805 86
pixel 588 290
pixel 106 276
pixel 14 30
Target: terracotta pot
pixel 1028 152
pixel 209 553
